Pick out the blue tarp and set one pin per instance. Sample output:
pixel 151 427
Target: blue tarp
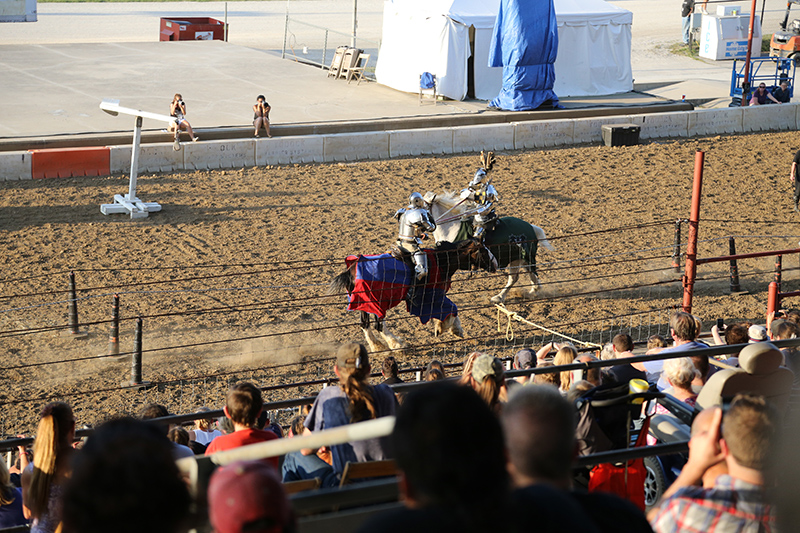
pixel 525 44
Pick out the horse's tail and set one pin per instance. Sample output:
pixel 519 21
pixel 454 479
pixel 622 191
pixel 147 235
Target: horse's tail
pixel 342 283
pixel 542 238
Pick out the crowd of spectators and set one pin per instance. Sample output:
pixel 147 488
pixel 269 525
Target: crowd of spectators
pixel 482 453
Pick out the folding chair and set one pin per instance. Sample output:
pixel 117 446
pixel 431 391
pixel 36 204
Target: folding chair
pixel 350 60
pixel 368 469
pixel 358 70
pixel 427 81
pixel 336 62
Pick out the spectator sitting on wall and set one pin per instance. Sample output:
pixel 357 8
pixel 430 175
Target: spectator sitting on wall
pixel 539 427
pixel 435 441
pixel 125 480
pixel 744 439
pixel 353 400
pixel 389 371
pixel 298 467
pixel 243 405
pixel 43 480
pixel 781 94
pixel 153 411
pixel 261 111
pixel 762 95
pixel 177 109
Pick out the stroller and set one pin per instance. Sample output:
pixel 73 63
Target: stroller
pixel 610 417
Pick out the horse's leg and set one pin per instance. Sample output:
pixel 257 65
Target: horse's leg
pixel 513 276
pixel 437 327
pixel 374 344
pixel 535 284
pixel 453 325
pixel 392 341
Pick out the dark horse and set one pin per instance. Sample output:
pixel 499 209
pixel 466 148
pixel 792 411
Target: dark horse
pixel 376 283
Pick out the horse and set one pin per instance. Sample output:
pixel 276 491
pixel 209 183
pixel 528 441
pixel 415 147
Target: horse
pixel 513 241
pixel 377 283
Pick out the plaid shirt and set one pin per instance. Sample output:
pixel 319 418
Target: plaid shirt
pixel 732 506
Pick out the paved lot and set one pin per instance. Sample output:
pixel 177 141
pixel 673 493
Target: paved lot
pixel 56 71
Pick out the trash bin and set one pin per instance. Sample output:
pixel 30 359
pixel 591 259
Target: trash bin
pixel 191 29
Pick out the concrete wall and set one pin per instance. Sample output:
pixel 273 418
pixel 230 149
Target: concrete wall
pixel 237 153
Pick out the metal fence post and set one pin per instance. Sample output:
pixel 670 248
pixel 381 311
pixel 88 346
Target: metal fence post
pixel 113 337
pixel 778 270
pixel 676 247
pixel 734 267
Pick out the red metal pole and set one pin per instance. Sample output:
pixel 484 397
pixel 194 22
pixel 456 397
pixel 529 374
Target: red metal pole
pixel 773 298
pixel 694 221
pixel 745 100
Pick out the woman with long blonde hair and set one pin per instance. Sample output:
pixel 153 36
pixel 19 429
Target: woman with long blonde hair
pixel 564 356
pixel 354 400
pixel 43 480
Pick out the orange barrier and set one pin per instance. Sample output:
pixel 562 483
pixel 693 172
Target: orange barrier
pixel 68 162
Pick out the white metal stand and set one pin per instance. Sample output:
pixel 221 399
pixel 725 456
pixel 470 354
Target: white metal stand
pixel 129 203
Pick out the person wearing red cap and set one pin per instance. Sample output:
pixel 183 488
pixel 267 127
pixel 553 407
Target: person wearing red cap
pixel 243 405
pixel 248 496
pixel 354 400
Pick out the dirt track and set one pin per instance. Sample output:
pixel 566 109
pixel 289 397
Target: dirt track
pixel 259 246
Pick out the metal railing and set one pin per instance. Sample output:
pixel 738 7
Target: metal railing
pixel 316 45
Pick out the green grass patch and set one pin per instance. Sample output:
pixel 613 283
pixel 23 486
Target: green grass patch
pixel 680 49
pixel 765 40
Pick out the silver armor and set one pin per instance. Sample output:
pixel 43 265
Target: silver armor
pixel 415 220
pixel 484 194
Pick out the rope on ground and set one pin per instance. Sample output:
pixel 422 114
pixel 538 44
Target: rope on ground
pixel 511 315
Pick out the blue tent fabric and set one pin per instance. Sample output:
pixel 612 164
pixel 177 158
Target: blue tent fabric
pixel 525 44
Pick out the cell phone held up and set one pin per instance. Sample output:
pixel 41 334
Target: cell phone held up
pixel 720 324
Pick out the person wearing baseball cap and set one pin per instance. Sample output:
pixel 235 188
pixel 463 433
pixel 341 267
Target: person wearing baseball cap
pixel 353 400
pixel 248 496
pixel 488 378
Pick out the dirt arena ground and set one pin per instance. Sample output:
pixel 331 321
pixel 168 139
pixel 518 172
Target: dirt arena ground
pixel 247 254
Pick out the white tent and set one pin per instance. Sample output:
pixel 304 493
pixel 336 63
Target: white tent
pixel 594 51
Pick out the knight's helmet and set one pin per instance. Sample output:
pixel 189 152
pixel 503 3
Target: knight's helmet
pixel 479 175
pixel 415 200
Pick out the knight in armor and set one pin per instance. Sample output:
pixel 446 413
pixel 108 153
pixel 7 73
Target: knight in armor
pixel 481 191
pixel 415 221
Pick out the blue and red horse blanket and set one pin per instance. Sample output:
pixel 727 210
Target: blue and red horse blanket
pixel 382 282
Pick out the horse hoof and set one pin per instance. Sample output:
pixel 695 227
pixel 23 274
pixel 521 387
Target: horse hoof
pixel 496 300
pixel 458 332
